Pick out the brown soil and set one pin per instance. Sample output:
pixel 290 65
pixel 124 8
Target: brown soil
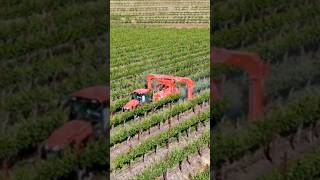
pixel 152 158
pixel 187 25
pixel 125 146
pixel 256 165
pixel 197 163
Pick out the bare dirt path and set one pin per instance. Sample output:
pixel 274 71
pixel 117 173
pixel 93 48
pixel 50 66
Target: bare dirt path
pixel 186 25
pixel 125 146
pixel 152 158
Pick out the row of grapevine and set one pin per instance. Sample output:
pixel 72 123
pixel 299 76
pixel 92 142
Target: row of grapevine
pixel 197 77
pixel 201 82
pixel 232 12
pixel 130 47
pixel 48 118
pixel 274 49
pixel 175 156
pixel 198 58
pixel 69 163
pixel 29 134
pixel 155 118
pixel 258 29
pixel 49 49
pixel 14 9
pixel 303 110
pixel 137 12
pixel 271 51
pixel 159 13
pixel 174 19
pixel 285 35
pixel 141 110
pixel 92 156
pixel 290 43
pixel 172 58
pixel 160 51
pixel 57 50
pixel 52 96
pixel 292 74
pixel 160 139
pixel 152 48
pixel 306 168
pixel 86 27
pixel 180 71
pixel 286 75
pixel 54 67
pixel 58 19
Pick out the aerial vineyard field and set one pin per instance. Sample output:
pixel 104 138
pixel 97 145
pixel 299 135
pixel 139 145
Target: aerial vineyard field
pixel 146 142
pixel 49 49
pixel 285 34
pixel 167 138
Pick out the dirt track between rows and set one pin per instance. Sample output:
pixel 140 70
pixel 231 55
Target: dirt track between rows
pixel 197 163
pixel 253 166
pixel 123 147
pixel 153 158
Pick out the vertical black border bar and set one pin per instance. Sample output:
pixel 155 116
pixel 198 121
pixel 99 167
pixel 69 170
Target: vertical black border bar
pixel 108 88
pixel 212 118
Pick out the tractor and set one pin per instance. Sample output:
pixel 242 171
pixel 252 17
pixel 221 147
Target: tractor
pixel 158 87
pixel 87 120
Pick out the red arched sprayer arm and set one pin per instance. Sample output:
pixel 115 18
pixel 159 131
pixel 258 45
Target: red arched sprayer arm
pixel 257 70
pixel 187 81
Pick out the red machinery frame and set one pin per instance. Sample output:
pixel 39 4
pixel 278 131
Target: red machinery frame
pixel 187 81
pixel 257 70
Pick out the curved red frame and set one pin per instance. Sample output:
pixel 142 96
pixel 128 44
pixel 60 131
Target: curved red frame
pixel 257 70
pixel 185 80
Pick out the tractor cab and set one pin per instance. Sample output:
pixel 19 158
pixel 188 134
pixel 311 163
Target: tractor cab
pixel 91 111
pixel 138 96
pixel 85 109
pixel 87 119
